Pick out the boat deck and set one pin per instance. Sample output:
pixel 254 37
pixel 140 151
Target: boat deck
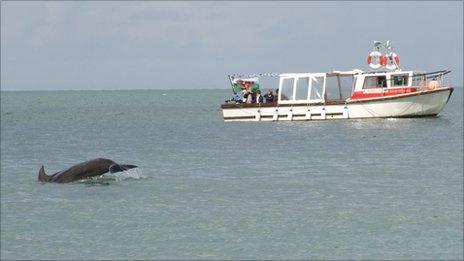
pixel 232 105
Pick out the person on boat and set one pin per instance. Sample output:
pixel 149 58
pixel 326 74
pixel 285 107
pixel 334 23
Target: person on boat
pixel 237 98
pixel 381 82
pixel 269 97
pixel 244 96
pixel 251 96
pixel 259 97
pixel 248 97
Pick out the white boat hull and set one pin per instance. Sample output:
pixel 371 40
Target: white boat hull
pixel 424 103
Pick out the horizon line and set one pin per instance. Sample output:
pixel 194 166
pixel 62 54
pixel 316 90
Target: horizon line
pixel 139 89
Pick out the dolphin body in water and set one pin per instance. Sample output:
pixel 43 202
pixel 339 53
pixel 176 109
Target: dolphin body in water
pixel 87 169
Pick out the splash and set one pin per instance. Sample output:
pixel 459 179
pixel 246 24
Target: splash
pixel 135 173
pixel 109 178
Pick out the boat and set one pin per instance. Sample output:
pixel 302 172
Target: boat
pixel 386 92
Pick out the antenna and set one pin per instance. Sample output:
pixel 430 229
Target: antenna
pixel 388 46
pixel 377 45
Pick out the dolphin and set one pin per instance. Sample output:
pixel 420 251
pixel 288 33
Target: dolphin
pixel 87 169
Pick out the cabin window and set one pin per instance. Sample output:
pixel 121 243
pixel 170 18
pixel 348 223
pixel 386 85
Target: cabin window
pixel 399 80
pixel 317 86
pixel 375 82
pixel 332 88
pixel 338 87
pixel 347 83
pixel 302 86
pixel 418 80
pixel 287 89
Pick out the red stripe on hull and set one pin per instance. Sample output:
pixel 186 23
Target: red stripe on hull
pixel 380 92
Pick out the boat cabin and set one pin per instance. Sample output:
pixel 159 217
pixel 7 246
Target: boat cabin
pixel 307 88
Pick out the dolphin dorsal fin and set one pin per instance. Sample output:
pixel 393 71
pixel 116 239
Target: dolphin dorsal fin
pixel 42 176
pixel 117 168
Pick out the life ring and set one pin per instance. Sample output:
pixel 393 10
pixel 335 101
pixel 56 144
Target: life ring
pixel 374 60
pixel 392 61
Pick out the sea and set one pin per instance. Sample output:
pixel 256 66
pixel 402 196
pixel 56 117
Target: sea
pixel 206 189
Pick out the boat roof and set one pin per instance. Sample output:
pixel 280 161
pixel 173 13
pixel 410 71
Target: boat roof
pixel 342 73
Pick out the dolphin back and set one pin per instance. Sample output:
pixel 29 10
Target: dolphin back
pixel 42 176
pixel 87 169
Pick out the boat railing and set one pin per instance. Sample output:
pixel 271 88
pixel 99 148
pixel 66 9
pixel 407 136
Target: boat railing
pixel 430 81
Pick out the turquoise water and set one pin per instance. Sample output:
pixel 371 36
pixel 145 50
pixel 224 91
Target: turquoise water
pixel 206 189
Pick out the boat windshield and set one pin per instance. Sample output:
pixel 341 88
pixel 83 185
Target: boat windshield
pixel 315 87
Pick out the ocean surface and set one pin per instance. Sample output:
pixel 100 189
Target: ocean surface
pixel 206 189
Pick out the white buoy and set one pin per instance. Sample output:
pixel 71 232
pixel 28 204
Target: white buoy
pixel 258 115
pixel 323 113
pixel 345 112
pixel 275 116
pixel 290 114
pixel 308 114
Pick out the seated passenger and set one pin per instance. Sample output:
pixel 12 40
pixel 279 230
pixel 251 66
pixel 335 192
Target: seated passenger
pixel 248 97
pixel 269 97
pixel 258 97
pixel 237 98
pixel 244 96
pixel 253 97
pixel 381 82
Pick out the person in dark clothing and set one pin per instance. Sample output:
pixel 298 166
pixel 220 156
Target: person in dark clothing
pixel 259 97
pixel 253 97
pixel 249 97
pixel 269 97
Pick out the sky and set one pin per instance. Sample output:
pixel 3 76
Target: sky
pixel 90 45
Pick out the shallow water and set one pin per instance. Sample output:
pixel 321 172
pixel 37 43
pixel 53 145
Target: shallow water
pixel 206 189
